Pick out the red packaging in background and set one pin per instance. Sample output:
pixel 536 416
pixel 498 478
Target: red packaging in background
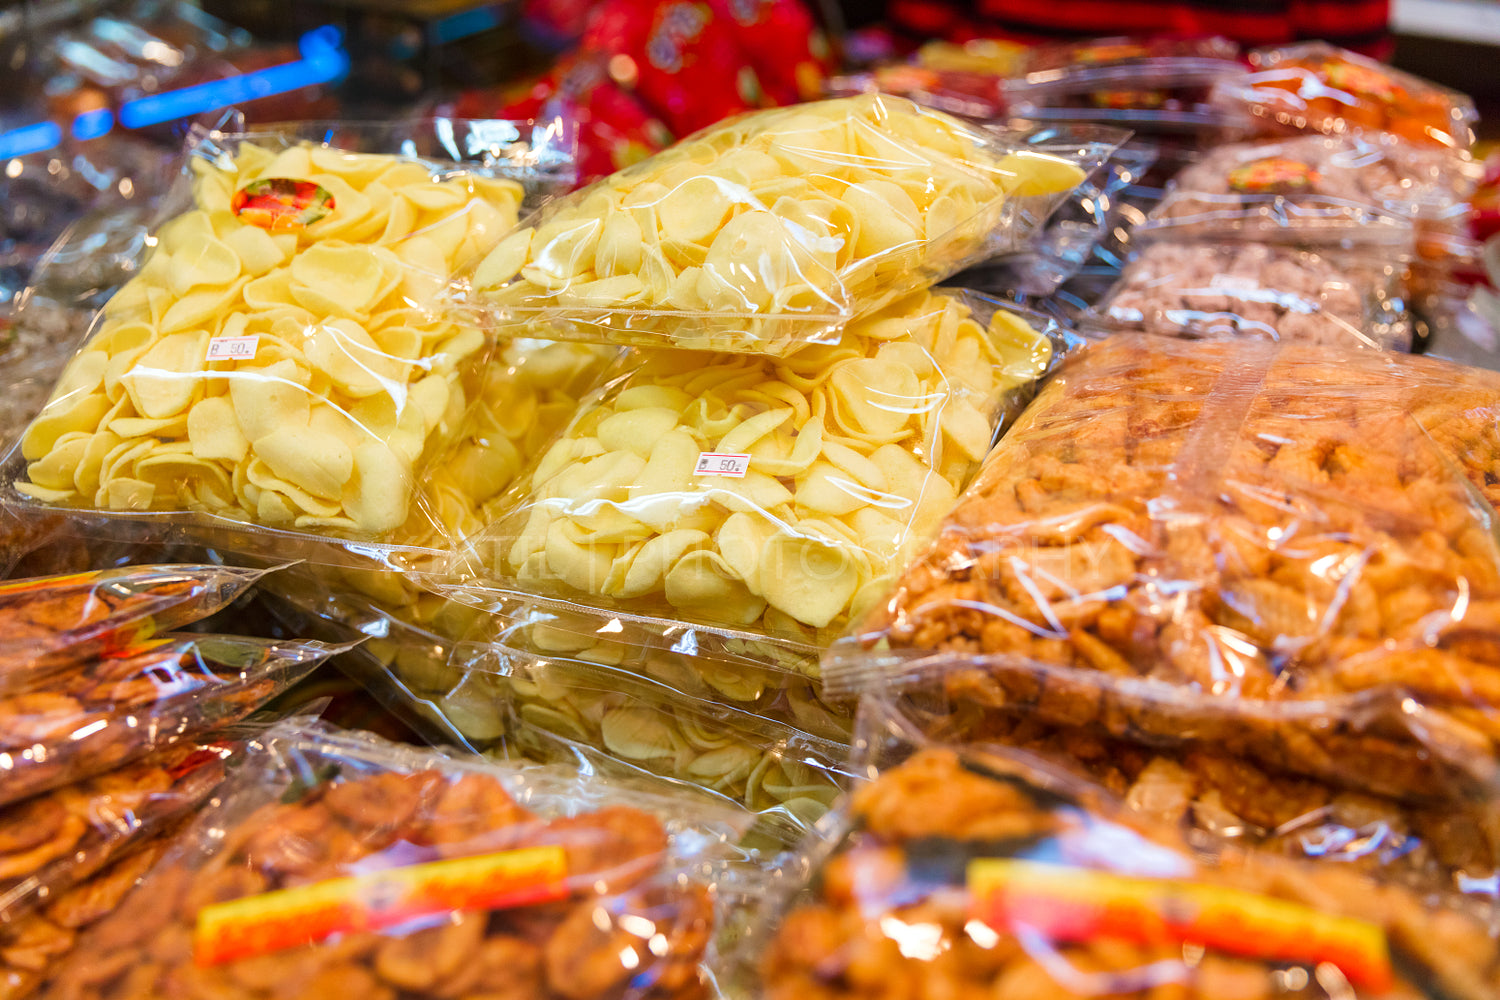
pixel 788 49
pixel 614 129
pixel 1485 221
pixel 678 56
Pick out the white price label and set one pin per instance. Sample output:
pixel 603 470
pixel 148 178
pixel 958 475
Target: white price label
pixel 1234 282
pixel 232 348
pixel 712 463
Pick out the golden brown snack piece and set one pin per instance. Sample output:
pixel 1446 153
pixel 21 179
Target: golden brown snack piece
pixel 955 910
pixel 1230 543
pixel 589 940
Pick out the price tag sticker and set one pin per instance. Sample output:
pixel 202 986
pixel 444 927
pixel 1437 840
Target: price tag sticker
pixel 1234 282
pixel 712 463
pixel 232 348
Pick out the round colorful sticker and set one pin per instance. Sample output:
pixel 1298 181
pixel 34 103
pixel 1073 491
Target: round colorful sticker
pixel 1275 175
pixel 1361 81
pixel 281 203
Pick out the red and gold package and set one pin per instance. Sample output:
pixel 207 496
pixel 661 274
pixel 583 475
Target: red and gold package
pixel 789 51
pixel 615 130
pixel 678 56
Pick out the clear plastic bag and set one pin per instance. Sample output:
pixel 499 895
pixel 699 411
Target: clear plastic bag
pixel 1435 846
pixel 1308 189
pixel 845 205
pixel 65 836
pixel 131 701
pixel 1269 292
pixel 448 878
pixel 286 364
pixel 980 871
pixel 1150 84
pixel 755 495
pixel 1284 551
pixel 53 623
pixel 765 766
pixel 720 675
pixel 1314 86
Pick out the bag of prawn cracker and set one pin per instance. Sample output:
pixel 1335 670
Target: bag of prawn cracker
pixel 336 864
pixel 980 871
pixel 286 366
pixel 131 701
pixel 843 206
pixel 1282 551
pixel 50 624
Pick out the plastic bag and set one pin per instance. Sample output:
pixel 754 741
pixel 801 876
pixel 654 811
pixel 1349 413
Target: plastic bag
pixel 1149 84
pixel 1314 86
pixel 1435 846
pixel 757 495
pixel 1308 189
pixel 1280 550
pixel 723 675
pixel 52 623
pixel 286 359
pixel 978 871
pixel 67 835
pixel 1264 291
pixel 134 700
pixel 33 946
pixel 768 767
pixel 546 882
pixel 846 205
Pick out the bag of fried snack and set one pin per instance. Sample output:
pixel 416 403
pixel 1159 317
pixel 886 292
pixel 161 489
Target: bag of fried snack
pixel 980 871
pixel 765 765
pixel 764 499
pixel 125 703
pixel 1317 87
pixel 1283 550
pixel 338 864
pixel 1310 189
pixel 1431 845
pixel 35 944
pixel 1348 297
pixel 774 229
pixel 62 837
pixel 286 364
pixel 51 624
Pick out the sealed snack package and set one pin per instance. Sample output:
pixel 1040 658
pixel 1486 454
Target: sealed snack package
pixel 285 359
pixel 1249 540
pixel 835 201
pixel 766 766
pixel 131 701
pixel 1434 846
pixel 1308 189
pixel 1335 297
pixel 691 665
pixel 1154 84
pixel 67 835
pixel 978 871
pixel 973 95
pixel 760 495
pixel 341 863
pixel 35 944
pixel 683 60
pixel 1314 86
pixel 51 623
